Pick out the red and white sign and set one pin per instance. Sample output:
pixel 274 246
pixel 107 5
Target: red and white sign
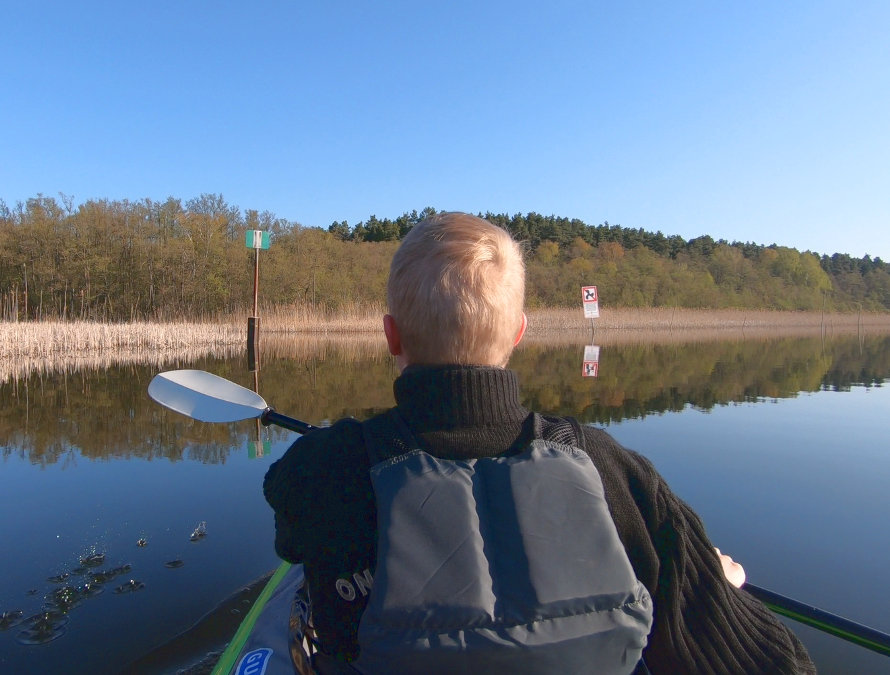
pixel 591 364
pixel 590 300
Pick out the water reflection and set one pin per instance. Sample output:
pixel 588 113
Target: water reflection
pixel 635 380
pixel 90 467
pixel 59 417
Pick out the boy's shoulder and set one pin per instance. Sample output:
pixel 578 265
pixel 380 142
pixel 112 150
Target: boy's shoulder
pixel 317 456
pixel 608 455
pixel 346 429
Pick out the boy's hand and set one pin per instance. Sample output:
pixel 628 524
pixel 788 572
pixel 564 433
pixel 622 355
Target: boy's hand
pixel 734 572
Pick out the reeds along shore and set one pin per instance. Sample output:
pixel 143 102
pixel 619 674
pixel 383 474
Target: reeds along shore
pixel 659 319
pixel 45 347
pixel 79 338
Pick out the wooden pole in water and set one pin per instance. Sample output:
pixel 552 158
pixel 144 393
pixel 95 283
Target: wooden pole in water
pixel 253 322
pixel 256 280
pixel 255 239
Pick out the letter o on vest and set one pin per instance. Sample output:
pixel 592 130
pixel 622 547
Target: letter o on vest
pixel 345 590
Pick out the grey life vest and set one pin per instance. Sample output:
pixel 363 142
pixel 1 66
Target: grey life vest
pixel 507 564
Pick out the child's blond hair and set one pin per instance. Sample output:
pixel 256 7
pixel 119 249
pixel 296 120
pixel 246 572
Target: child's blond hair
pixel 456 289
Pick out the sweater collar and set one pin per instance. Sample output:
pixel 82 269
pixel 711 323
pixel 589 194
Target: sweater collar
pixel 458 396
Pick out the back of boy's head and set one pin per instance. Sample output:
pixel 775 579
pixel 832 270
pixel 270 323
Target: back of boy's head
pixel 456 289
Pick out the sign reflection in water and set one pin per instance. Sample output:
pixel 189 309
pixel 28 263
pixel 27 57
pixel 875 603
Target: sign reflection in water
pixel 781 446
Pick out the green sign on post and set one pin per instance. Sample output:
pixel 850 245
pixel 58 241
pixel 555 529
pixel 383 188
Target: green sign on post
pixel 256 239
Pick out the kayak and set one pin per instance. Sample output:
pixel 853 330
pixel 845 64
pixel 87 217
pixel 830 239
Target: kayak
pixel 274 627
pixel 277 621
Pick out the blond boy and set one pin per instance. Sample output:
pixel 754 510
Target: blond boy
pixel 455 297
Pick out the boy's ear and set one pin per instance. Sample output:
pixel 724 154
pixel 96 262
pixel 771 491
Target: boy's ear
pixel 393 339
pixel 522 328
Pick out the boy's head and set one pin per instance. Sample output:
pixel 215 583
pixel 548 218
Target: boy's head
pixel 455 293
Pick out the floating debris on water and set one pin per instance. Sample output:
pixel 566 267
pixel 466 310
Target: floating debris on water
pixel 107 575
pixel 42 628
pixel 63 599
pixel 200 531
pixel 88 590
pixel 70 590
pixel 173 564
pixel 93 560
pixel 10 619
pixel 141 542
pixel 131 586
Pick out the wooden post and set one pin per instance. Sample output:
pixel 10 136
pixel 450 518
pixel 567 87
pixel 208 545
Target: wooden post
pixel 253 343
pixel 256 240
pixel 256 281
pixel 253 322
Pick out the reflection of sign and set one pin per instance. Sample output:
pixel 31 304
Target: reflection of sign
pixel 590 301
pixel 591 365
pixel 256 239
pixel 258 449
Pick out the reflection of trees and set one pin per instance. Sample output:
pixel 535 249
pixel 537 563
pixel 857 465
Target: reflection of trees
pixel 103 414
pixel 107 413
pixel 637 379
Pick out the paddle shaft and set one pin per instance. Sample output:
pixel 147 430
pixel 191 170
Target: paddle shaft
pixel 269 416
pixel 822 620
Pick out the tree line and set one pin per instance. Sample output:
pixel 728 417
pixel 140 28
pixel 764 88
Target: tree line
pixel 158 260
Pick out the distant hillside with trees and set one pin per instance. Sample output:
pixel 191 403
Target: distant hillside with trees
pixel 121 260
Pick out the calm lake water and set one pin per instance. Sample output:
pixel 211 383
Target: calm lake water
pixel 782 445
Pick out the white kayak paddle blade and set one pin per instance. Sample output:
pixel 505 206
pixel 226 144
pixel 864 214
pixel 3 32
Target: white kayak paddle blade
pixel 204 396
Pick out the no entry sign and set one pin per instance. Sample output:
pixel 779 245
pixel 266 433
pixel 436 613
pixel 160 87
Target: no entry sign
pixel 590 300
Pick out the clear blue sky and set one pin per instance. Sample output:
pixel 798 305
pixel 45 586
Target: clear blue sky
pixel 751 121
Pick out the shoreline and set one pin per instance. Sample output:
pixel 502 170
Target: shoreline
pixel 669 319
pixel 54 347
pixel 73 338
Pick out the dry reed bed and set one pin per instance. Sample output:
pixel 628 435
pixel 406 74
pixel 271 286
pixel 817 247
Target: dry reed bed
pixel 307 319
pixel 546 321
pixel 52 338
pixel 13 370
pixel 281 330
pixel 57 347
pixel 690 335
pixel 300 347
pixel 306 347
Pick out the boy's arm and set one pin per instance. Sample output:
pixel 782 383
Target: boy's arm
pixel 281 490
pixel 702 622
